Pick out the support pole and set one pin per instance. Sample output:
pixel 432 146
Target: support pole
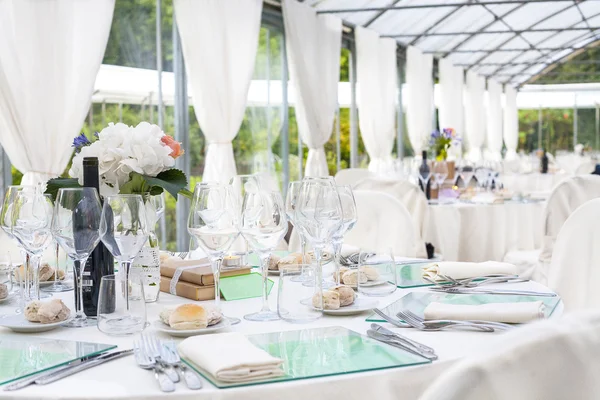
pixel 338 139
pixel 597 127
pixel 540 127
pixel 400 117
pixel 270 166
pixel 159 66
pixel 285 117
pixel 353 109
pixel 575 127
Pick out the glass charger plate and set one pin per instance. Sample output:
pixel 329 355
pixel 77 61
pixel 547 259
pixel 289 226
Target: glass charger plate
pixel 320 352
pixel 417 301
pixel 410 274
pixel 21 357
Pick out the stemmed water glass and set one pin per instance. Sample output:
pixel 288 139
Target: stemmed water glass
pixel 348 220
pixel 31 223
pixel 241 184
pixel 213 222
pixel 422 171
pixel 440 172
pixel 75 226
pixel 466 171
pixel 263 225
pixel 319 215
pixel 290 210
pixel 124 231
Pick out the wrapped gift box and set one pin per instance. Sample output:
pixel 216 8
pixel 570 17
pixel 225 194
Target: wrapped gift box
pixel 188 290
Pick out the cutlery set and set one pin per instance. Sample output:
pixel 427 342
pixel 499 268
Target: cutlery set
pixel 472 285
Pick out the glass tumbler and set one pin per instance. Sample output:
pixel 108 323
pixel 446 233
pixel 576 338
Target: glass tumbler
pixel 121 310
pixel 377 274
pixel 298 302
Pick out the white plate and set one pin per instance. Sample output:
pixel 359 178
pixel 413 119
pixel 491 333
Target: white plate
pixel 18 323
pixel 160 326
pixel 360 305
pixel 49 283
pixel 7 298
pixel 274 272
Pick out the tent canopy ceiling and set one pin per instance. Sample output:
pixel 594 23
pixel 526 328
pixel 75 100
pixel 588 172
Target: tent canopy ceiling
pixel 512 41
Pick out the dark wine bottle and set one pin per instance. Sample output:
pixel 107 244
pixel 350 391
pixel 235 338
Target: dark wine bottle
pixel 544 162
pixel 100 262
pixel 424 171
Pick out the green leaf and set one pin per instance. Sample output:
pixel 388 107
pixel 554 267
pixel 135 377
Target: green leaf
pixel 137 184
pixel 186 193
pixel 172 180
pixel 54 185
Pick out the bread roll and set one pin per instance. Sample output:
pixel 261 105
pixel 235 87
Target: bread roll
pixel 60 274
pixel 290 259
pixel 371 273
pixel 53 311
pixel 188 316
pixel 31 311
pixel 214 316
pixel 46 272
pixel 164 315
pixel 352 278
pixel 3 291
pixel 274 262
pixel 343 270
pixel 331 300
pixel 346 295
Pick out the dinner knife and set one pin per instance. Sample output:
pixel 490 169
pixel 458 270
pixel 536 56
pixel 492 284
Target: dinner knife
pixel 396 343
pixel 493 291
pixel 56 375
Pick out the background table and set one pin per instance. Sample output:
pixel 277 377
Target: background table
pixel 536 184
pixel 122 379
pixel 482 232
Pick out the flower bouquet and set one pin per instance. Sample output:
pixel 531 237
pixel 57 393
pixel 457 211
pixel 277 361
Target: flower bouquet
pixel 442 141
pixel 132 160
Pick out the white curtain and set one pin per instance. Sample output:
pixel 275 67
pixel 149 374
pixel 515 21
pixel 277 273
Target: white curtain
pixel 50 53
pixel 474 115
pixel 419 108
pixel 450 106
pixel 511 122
pixel 219 41
pixel 313 46
pixel 494 121
pixel 377 79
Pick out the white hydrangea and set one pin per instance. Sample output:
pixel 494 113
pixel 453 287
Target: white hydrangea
pixel 122 149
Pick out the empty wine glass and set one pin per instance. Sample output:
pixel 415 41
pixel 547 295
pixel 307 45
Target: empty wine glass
pixel 440 172
pixel 422 171
pixel 290 210
pixel 263 225
pixel 213 222
pixel 348 220
pixel 76 228
pixel 241 184
pixel 466 171
pixel 124 231
pixel 31 223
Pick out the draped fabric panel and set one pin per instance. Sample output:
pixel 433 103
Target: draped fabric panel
pixel 494 121
pixel 313 46
pixel 450 106
pixel 377 79
pixel 474 115
pixel 219 41
pixel 419 108
pixel 50 53
pixel 511 122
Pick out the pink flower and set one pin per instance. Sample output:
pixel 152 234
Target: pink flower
pixel 175 146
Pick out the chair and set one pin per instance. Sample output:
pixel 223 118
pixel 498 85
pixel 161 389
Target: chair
pixel 383 222
pixel 549 360
pixel 351 176
pixel 564 199
pixel 411 196
pixel 574 272
pixel 586 168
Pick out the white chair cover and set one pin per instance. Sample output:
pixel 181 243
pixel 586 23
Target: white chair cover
pixel 350 176
pixel 564 199
pixel 383 222
pixel 574 271
pixel 586 168
pixel 549 360
pixel 413 199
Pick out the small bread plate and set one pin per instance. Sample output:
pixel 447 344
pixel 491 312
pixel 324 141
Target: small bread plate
pixel 49 283
pixel 18 323
pixel 360 305
pixel 161 327
pixel 8 298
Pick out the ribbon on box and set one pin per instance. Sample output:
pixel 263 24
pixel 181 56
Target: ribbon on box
pixel 177 275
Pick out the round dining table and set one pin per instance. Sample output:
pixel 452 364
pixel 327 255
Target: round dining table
pixel 534 184
pixel 464 231
pixel 122 379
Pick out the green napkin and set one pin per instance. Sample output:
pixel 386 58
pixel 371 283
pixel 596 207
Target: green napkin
pixel 243 286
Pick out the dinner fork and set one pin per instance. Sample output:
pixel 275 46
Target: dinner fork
pixel 415 323
pixel 170 355
pixel 493 324
pixel 151 346
pixel 459 290
pixel 146 361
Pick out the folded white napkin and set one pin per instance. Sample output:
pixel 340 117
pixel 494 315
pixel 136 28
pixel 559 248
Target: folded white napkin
pixel 461 270
pixel 348 250
pixel 512 313
pixel 230 357
pixel 486 198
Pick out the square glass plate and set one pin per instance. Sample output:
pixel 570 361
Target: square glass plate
pixel 319 352
pixel 410 275
pixel 417 301
pixel 21 357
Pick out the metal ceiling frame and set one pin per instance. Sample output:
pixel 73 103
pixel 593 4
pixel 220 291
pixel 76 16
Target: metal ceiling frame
pixel 517 31
pixel 518 64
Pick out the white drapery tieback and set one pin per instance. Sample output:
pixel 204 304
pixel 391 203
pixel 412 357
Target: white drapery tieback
pixel 316 163
pixel 32 178
pixel 510 155
pixel 219 165
pixel 381 166
pixel 475 154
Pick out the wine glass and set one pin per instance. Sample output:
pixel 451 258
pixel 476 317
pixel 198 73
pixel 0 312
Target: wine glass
pixel 348 220
pixel 290 210
pixel 440 172
pixel 75 226
pixel 213 222
pixel 124 231
pixel 31 223
pixel 241 184
pixel 319 215
pixel 422 171
pixel 466 171
pixel 263 225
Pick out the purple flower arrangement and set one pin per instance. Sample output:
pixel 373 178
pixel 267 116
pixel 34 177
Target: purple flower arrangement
pixel 442 141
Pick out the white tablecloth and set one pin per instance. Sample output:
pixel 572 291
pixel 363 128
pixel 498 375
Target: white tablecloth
pixel 481 232
pixel 122 379
pixel 535 184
